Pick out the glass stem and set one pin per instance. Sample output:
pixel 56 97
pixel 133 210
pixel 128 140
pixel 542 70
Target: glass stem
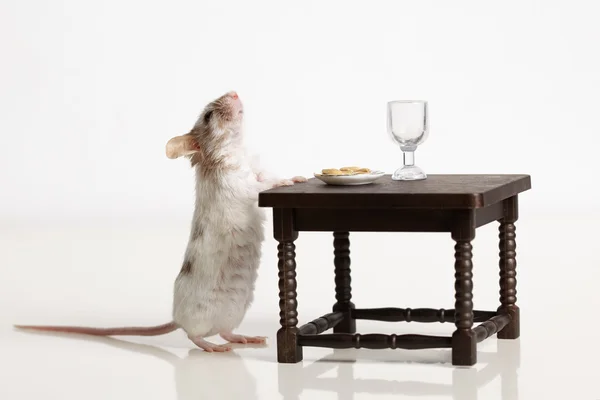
pixel 408 158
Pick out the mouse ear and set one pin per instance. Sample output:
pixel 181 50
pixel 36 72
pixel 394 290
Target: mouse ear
pixel 181 146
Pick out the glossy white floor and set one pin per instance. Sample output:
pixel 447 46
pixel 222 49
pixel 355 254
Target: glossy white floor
pixel 121 273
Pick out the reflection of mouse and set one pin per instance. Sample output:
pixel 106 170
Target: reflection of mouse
pixel 197 375
pixel 216 283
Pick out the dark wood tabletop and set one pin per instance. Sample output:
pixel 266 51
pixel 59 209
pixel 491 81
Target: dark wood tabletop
pixel 437 191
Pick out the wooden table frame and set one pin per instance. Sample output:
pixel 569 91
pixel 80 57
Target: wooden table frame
pixel 461 223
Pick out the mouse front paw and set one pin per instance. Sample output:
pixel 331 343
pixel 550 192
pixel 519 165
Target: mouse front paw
pixel 299 179
pixel 283 182
pixel 260 177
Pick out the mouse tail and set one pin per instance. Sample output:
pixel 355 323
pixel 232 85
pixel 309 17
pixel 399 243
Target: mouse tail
pixel 124 331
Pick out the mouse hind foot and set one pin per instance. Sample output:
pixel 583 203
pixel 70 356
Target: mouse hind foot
pixel 208 346
pixel 235 338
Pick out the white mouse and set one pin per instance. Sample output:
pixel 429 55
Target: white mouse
pixel 215 286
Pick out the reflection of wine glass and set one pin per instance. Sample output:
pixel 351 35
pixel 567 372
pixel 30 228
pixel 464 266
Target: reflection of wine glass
pixel 407 125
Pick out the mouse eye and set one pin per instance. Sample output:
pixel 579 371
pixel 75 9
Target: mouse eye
pixel 207 116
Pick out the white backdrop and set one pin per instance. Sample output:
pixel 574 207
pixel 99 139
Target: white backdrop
pixel 91 92
pixel 94 218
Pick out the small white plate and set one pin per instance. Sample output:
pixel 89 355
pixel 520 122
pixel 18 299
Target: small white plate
pixel 358 179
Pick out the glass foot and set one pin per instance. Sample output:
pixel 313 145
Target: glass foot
pixel 409 173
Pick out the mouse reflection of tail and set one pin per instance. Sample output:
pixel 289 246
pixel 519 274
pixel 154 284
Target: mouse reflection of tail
pixel 129 331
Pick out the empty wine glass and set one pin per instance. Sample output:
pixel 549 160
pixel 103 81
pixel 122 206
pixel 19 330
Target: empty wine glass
pixel 407 125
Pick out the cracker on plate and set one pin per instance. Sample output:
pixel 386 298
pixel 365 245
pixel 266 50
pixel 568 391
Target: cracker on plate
pixel 332 171
pixel 345 171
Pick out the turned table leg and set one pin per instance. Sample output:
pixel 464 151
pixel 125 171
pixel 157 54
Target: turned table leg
pixel 288 350
pixel 343 290
pixel 508 269
pixel 464 343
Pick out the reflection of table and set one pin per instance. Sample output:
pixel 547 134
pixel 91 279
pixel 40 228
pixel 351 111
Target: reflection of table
pixel 466 382
pixel 457 204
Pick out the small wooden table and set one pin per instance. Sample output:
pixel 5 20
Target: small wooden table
pixel 457 204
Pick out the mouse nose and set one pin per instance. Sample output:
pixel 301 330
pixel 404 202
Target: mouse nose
pixel 234 95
